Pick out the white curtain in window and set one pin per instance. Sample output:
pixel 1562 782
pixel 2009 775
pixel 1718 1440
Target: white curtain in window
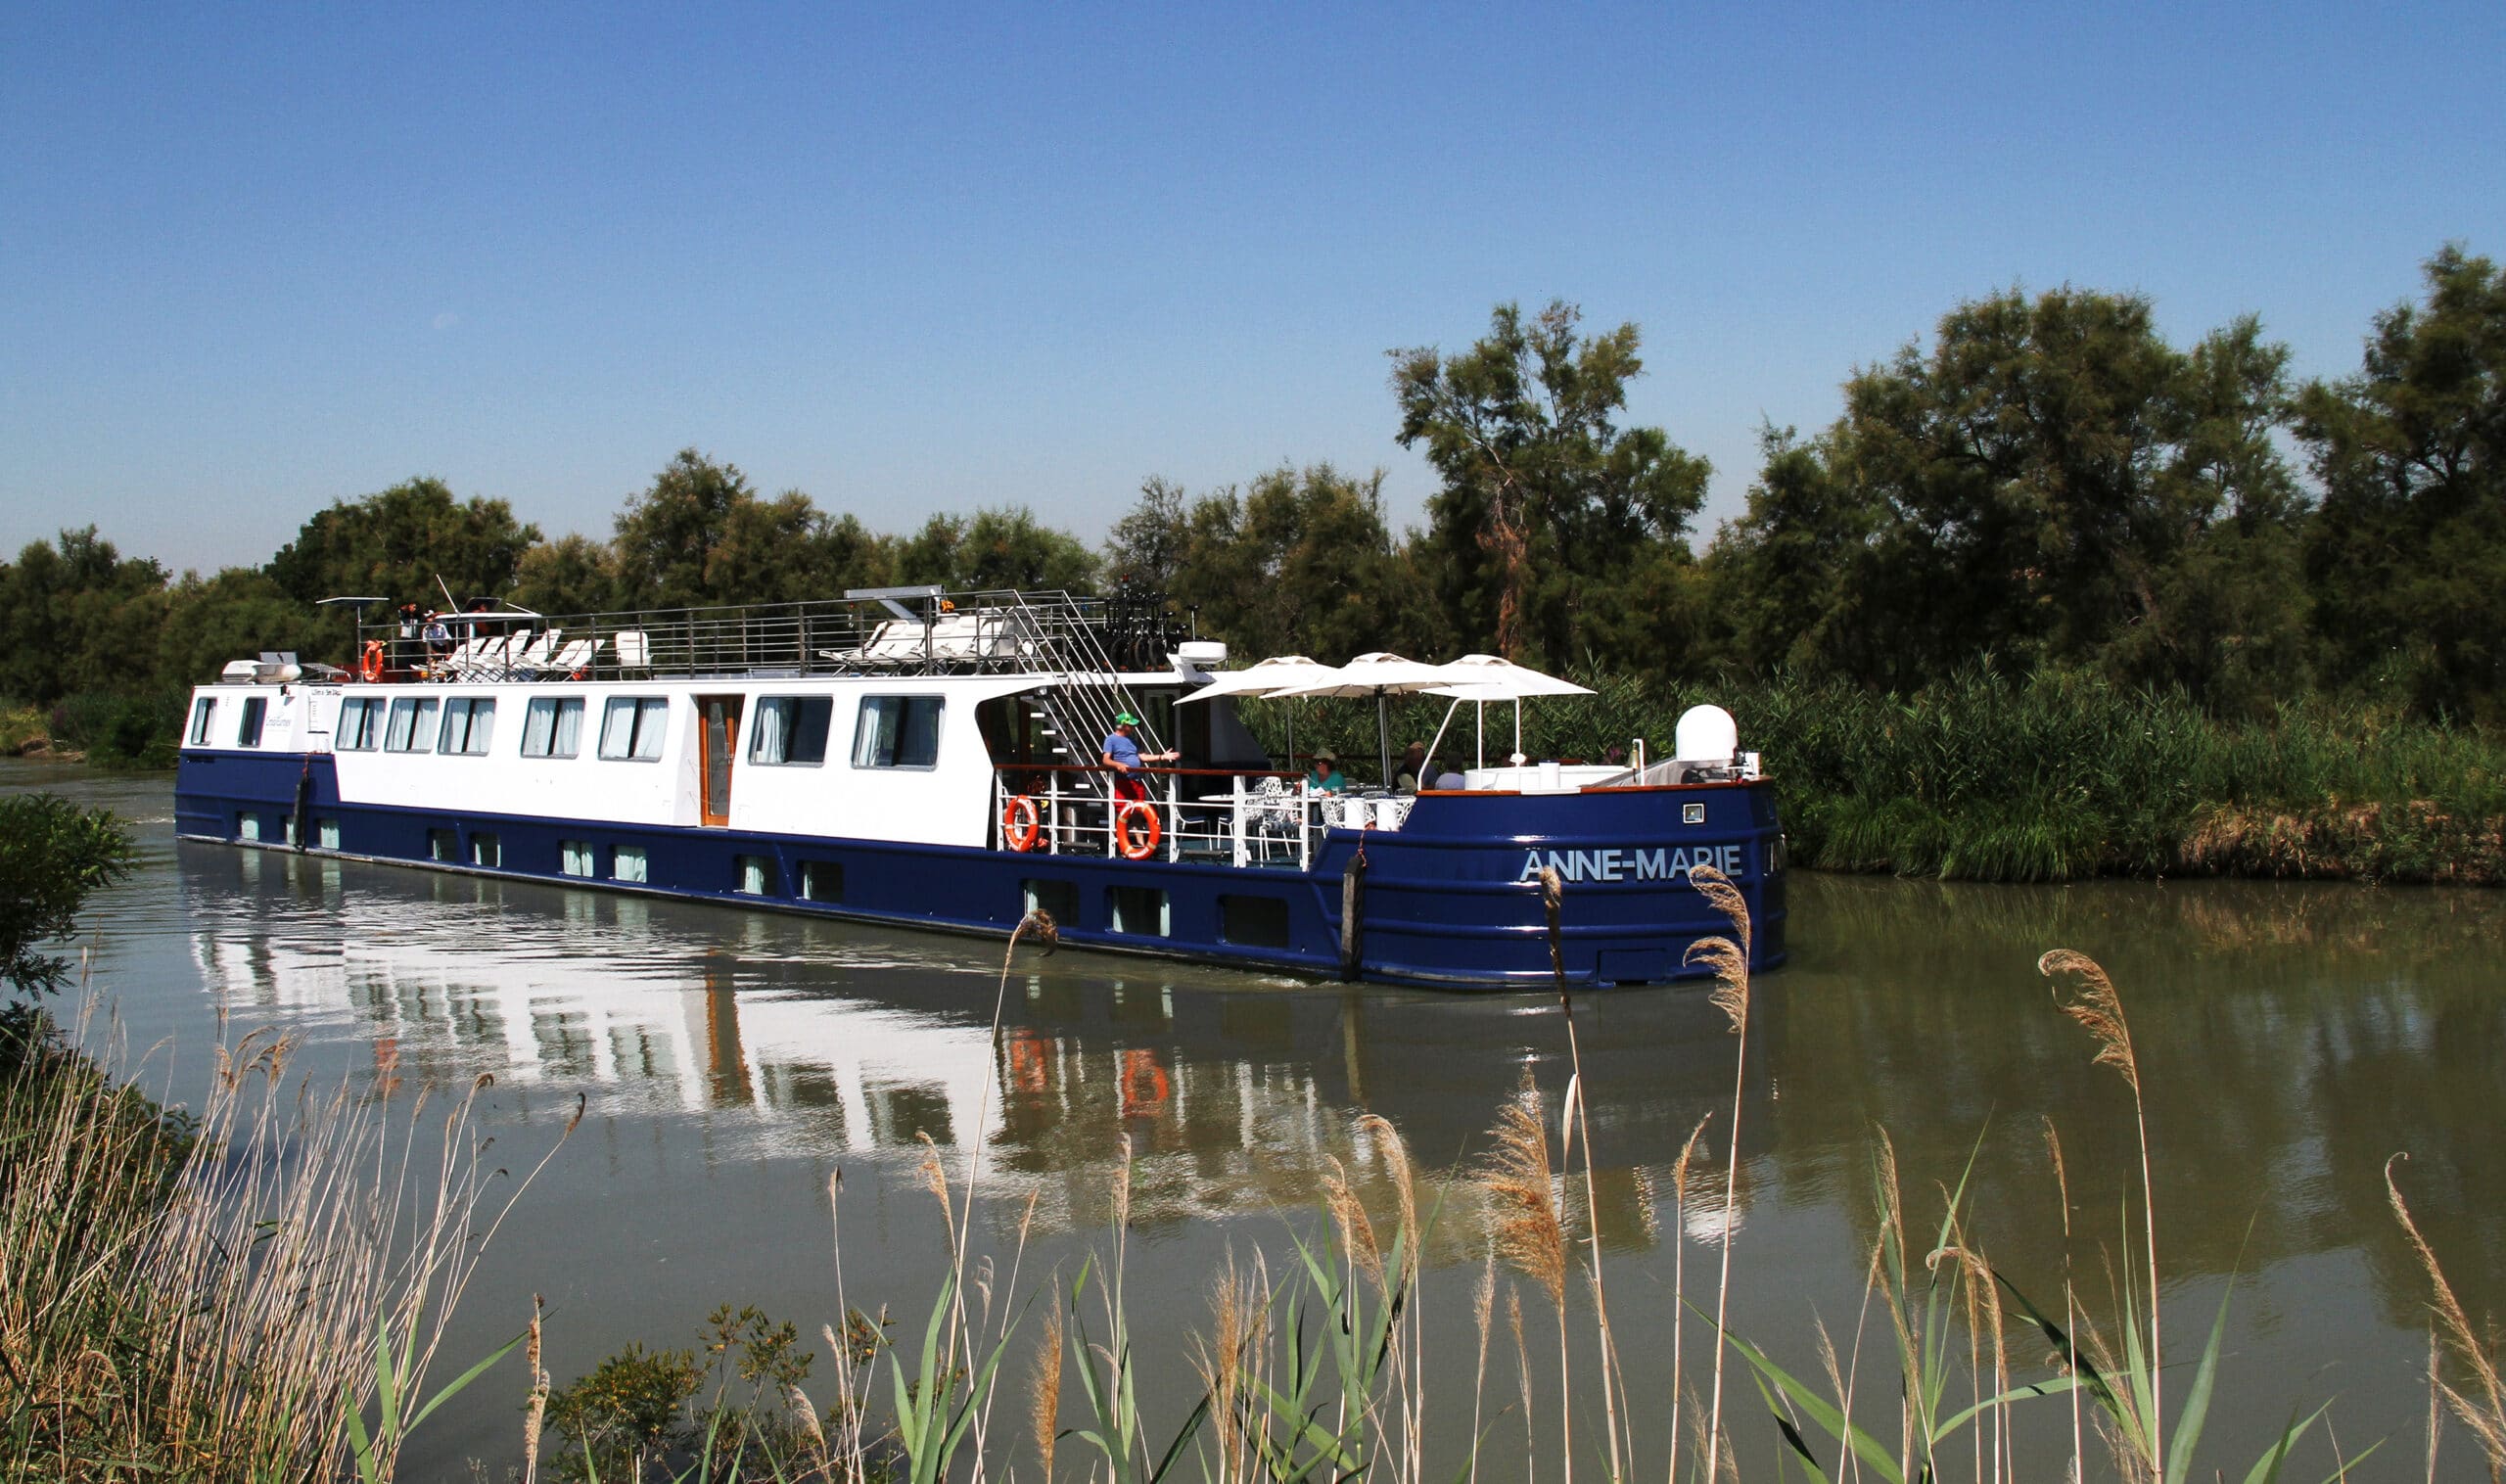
pixel 773 740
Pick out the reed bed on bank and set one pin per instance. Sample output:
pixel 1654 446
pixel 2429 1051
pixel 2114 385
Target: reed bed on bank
pixel 257 1291
pixel 2047 778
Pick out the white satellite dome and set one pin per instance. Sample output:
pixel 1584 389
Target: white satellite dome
pixel 1706 734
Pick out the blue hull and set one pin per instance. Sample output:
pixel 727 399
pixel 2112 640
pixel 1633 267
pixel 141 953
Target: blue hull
pixel 1445 900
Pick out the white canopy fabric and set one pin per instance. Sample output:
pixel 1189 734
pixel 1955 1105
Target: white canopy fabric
pixel 1491 677
pixel 1373 674
pixel 1268 677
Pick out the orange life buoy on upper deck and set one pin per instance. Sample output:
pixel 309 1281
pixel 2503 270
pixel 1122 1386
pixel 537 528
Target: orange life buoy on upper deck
pixel 1020 824
pixel 1137 846
pixel 370 665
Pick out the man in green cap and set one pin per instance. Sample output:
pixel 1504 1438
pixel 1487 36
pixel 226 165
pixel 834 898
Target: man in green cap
pixel 1122 754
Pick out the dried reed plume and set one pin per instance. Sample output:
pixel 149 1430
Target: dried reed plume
pixel 1236 1306
pixel 1409 1348
pixel 1522 1372
pixel 536 1409
pixel 1483 1312
pixel 1043 1399
pixel 1553 897
pixel 2100 1010
pixel 1729 958
pixel 2486 1414
pixel 1528 1229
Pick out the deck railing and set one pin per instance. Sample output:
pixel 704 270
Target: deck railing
pixel 925 632
pixel 1215 815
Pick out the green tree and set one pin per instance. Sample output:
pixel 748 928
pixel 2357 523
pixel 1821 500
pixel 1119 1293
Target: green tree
pixel 1147 546
pixel 701 537
pixel 234 616
pixel 409 543
pixel 998 548
pixel 76 615
pixel 1547 505
pixel 53 856
pixel 572 574
pixel 2407 556
pixel 1301 562
pixel 669 532
pixel 2052 483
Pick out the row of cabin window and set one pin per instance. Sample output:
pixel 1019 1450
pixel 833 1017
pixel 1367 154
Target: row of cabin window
pixel 892 732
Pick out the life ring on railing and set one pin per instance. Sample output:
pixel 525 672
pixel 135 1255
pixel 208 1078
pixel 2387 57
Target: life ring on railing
pixel 1020 824
pixel 370 665
pixel 1144 1084
pixel 1139 846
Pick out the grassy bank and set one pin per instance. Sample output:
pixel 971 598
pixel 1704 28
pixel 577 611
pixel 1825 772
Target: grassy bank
pixel 2042 779
pixel 257 1291
pixel 110 728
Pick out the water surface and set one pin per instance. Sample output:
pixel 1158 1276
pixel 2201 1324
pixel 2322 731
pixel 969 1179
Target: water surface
pixel 2291 1038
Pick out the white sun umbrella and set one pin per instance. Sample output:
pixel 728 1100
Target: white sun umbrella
pixel 1267 678
pixel 1380 676
pixel 1482 679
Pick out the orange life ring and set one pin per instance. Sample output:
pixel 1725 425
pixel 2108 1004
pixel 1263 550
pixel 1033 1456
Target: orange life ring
pixel 1144 1084
pixel 1144 847
pixel 371 665
pixel 1020 824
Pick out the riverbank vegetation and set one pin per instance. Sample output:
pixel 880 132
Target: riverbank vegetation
pixel 2048 523
pixel 1311 1358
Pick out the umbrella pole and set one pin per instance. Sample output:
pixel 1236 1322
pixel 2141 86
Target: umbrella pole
pixel 1383 734
pixel 1480 731
pixel 1518 731
pixel 1440 738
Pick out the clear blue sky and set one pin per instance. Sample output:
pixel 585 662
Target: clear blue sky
pixel 256 258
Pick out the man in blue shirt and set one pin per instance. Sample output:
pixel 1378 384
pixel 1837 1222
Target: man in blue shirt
pixel 1122 754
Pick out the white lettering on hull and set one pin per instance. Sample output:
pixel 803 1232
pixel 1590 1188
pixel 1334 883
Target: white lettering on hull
pixel 1617 865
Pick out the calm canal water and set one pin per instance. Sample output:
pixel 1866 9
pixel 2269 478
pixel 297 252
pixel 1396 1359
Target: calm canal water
pixel 2291 1038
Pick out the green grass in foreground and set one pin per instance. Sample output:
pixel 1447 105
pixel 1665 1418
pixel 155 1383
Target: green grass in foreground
pixel 2048 778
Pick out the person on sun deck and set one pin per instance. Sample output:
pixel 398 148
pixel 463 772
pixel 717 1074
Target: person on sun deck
pixel 1122 754
pixel 1325 776
pixel 1410 770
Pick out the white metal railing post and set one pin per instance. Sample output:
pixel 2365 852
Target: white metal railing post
pixel 1053 800
pixel 1114 802
pixel 1304 827
pixel 1237 829
pixel 1173 818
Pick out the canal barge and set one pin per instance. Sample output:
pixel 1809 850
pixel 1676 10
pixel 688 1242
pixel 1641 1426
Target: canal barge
pixel 917 757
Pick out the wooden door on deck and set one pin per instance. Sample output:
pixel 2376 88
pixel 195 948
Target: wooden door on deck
pixel 718 718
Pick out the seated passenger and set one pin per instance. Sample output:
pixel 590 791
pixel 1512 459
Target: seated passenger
pixel 1411 768
pixel 1325 776
pixel 1449 779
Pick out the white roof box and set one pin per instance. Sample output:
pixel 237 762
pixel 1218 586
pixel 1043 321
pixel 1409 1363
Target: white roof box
pixel 1199 656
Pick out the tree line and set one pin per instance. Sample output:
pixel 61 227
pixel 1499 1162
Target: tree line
pixel 2048 484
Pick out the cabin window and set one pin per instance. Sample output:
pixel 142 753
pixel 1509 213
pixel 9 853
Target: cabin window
pixel 792 730
pixel 1139 909
pixel 1256 922
pixel 202 709
pixel 469 722
pixel 631 727
pixel 285 827
pixel 575 858
pixel 248 826
pixel 361 724
pixel 248 734
pixel 627 863
pixel 821 881
pixel 1058 899
pixel 443 845
pixel 486 850
pixel 411 728
pixel 552 727
pixel 327 833
pixel 757 875
pixel 897 732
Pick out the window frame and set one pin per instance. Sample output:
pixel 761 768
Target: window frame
pixel 473 711
pixel 248 728
pixel 789 715
pixel 367 735
pixel 421 734
pixel 554 709
pixel 203 717
pixel 636 729
pixel 864 736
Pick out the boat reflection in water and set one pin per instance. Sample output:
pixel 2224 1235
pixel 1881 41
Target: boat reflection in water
pixel 793 1037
